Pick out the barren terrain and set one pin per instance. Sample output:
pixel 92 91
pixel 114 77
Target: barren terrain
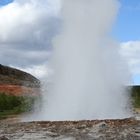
pixel 126 129
pixel 17 90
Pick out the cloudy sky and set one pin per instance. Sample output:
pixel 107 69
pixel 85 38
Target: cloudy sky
pixel 28 26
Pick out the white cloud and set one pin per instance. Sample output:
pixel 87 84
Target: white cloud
pixel 39 71
pixel 131 51
pixel 26 31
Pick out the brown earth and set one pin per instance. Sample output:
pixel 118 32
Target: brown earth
pixel 125 129
pixel 17 82
pixel 17 90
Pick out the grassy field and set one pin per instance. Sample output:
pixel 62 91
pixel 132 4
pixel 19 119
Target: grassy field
pixel 12 105
pixel 136 96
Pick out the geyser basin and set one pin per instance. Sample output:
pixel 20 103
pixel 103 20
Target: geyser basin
pixel 127 129
pixel 89 74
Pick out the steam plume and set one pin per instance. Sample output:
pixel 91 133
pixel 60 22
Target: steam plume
pixel 89 74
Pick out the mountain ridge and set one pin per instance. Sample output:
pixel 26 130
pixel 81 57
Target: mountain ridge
pixel 13 76
pixel 17 82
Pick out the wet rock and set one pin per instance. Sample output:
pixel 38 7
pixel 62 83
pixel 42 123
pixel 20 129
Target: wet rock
pixel 98 128
pixel 52 134
pixel 4 138
pixel 66 138
pixel 102 125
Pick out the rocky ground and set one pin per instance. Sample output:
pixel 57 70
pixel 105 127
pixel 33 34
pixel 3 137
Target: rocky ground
pixel 126 129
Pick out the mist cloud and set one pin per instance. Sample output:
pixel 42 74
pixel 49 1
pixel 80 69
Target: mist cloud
pixel 89 74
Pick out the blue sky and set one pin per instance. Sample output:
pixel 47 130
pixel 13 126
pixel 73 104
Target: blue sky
pixel 128 21
pixel 125 30
pixel 4 2
pixel 127 26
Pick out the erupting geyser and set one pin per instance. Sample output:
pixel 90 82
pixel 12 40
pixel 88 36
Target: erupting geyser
pixel 89 74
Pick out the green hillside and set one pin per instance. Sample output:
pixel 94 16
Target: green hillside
pixel 11 104
pixel 136 96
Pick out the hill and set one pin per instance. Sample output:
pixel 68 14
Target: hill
pixel 17 82
pixel 136 96
pixel 18 91
pixel 14 76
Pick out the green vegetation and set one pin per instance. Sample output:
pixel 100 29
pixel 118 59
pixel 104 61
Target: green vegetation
pixel 136 96
pixel 11 105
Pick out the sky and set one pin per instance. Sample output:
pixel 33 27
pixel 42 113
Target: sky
pixel 5 2
pixel 126 26
pixel 25 23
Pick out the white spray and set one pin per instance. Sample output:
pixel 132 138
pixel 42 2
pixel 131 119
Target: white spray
pixel 89 74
